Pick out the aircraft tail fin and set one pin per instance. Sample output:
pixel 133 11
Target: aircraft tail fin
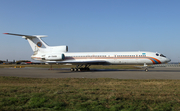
pixel 35 41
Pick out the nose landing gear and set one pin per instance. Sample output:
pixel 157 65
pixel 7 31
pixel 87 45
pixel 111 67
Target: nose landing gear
pixel 146 69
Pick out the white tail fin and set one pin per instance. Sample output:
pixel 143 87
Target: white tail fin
pixel 38 45
pixel 35 41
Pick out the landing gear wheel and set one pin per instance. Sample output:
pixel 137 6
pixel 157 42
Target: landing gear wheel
pixel 146 69
pixel 75 69
pixel 79 69
pixel 72 69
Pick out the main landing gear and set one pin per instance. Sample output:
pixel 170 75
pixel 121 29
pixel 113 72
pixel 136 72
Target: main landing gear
pixel 81 68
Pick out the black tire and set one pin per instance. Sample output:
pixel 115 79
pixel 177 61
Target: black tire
pixel 79 69
pixel 72 69
pixel 146 69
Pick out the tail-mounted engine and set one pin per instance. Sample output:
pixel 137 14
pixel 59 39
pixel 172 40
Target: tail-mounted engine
pixel 56 49
pixel 53 57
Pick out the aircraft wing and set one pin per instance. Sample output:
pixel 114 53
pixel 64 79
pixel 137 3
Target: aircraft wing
pixel 80 62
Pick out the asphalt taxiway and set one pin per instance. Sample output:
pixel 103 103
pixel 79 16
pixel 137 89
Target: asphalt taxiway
pixel 154 73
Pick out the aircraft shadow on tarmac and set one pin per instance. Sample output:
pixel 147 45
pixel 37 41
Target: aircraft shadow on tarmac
pixel 120 70
pixel 136 70
pixel 95 70
pixel 164 71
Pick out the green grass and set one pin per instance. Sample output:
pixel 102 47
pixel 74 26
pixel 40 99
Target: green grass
pixel 89 94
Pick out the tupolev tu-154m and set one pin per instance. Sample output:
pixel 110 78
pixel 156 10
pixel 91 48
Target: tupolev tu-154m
pixel 82 60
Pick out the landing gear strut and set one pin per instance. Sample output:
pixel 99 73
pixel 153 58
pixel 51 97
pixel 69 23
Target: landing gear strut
pixel 146 67
pixel 81 68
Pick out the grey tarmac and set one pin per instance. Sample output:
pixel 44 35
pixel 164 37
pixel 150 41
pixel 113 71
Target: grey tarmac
pixel 153 73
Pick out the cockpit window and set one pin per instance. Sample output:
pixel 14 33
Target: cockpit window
pixel 162 55
pixel 157 54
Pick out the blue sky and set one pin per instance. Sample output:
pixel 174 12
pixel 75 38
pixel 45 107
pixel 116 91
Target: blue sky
pixel 91 25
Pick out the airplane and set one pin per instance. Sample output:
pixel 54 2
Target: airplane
pixel 83 60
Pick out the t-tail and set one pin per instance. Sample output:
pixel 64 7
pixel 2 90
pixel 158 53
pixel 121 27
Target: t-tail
pixel 38 45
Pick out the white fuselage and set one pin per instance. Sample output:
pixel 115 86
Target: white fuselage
pixel 113 58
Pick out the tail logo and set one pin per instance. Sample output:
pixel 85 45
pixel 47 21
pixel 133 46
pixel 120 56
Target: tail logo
pixel 39 44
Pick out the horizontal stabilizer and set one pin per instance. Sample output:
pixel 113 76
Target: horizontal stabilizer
pixel 28 36
pixel 34 40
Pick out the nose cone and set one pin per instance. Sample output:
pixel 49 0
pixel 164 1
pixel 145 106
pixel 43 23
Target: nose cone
pixel 168 60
